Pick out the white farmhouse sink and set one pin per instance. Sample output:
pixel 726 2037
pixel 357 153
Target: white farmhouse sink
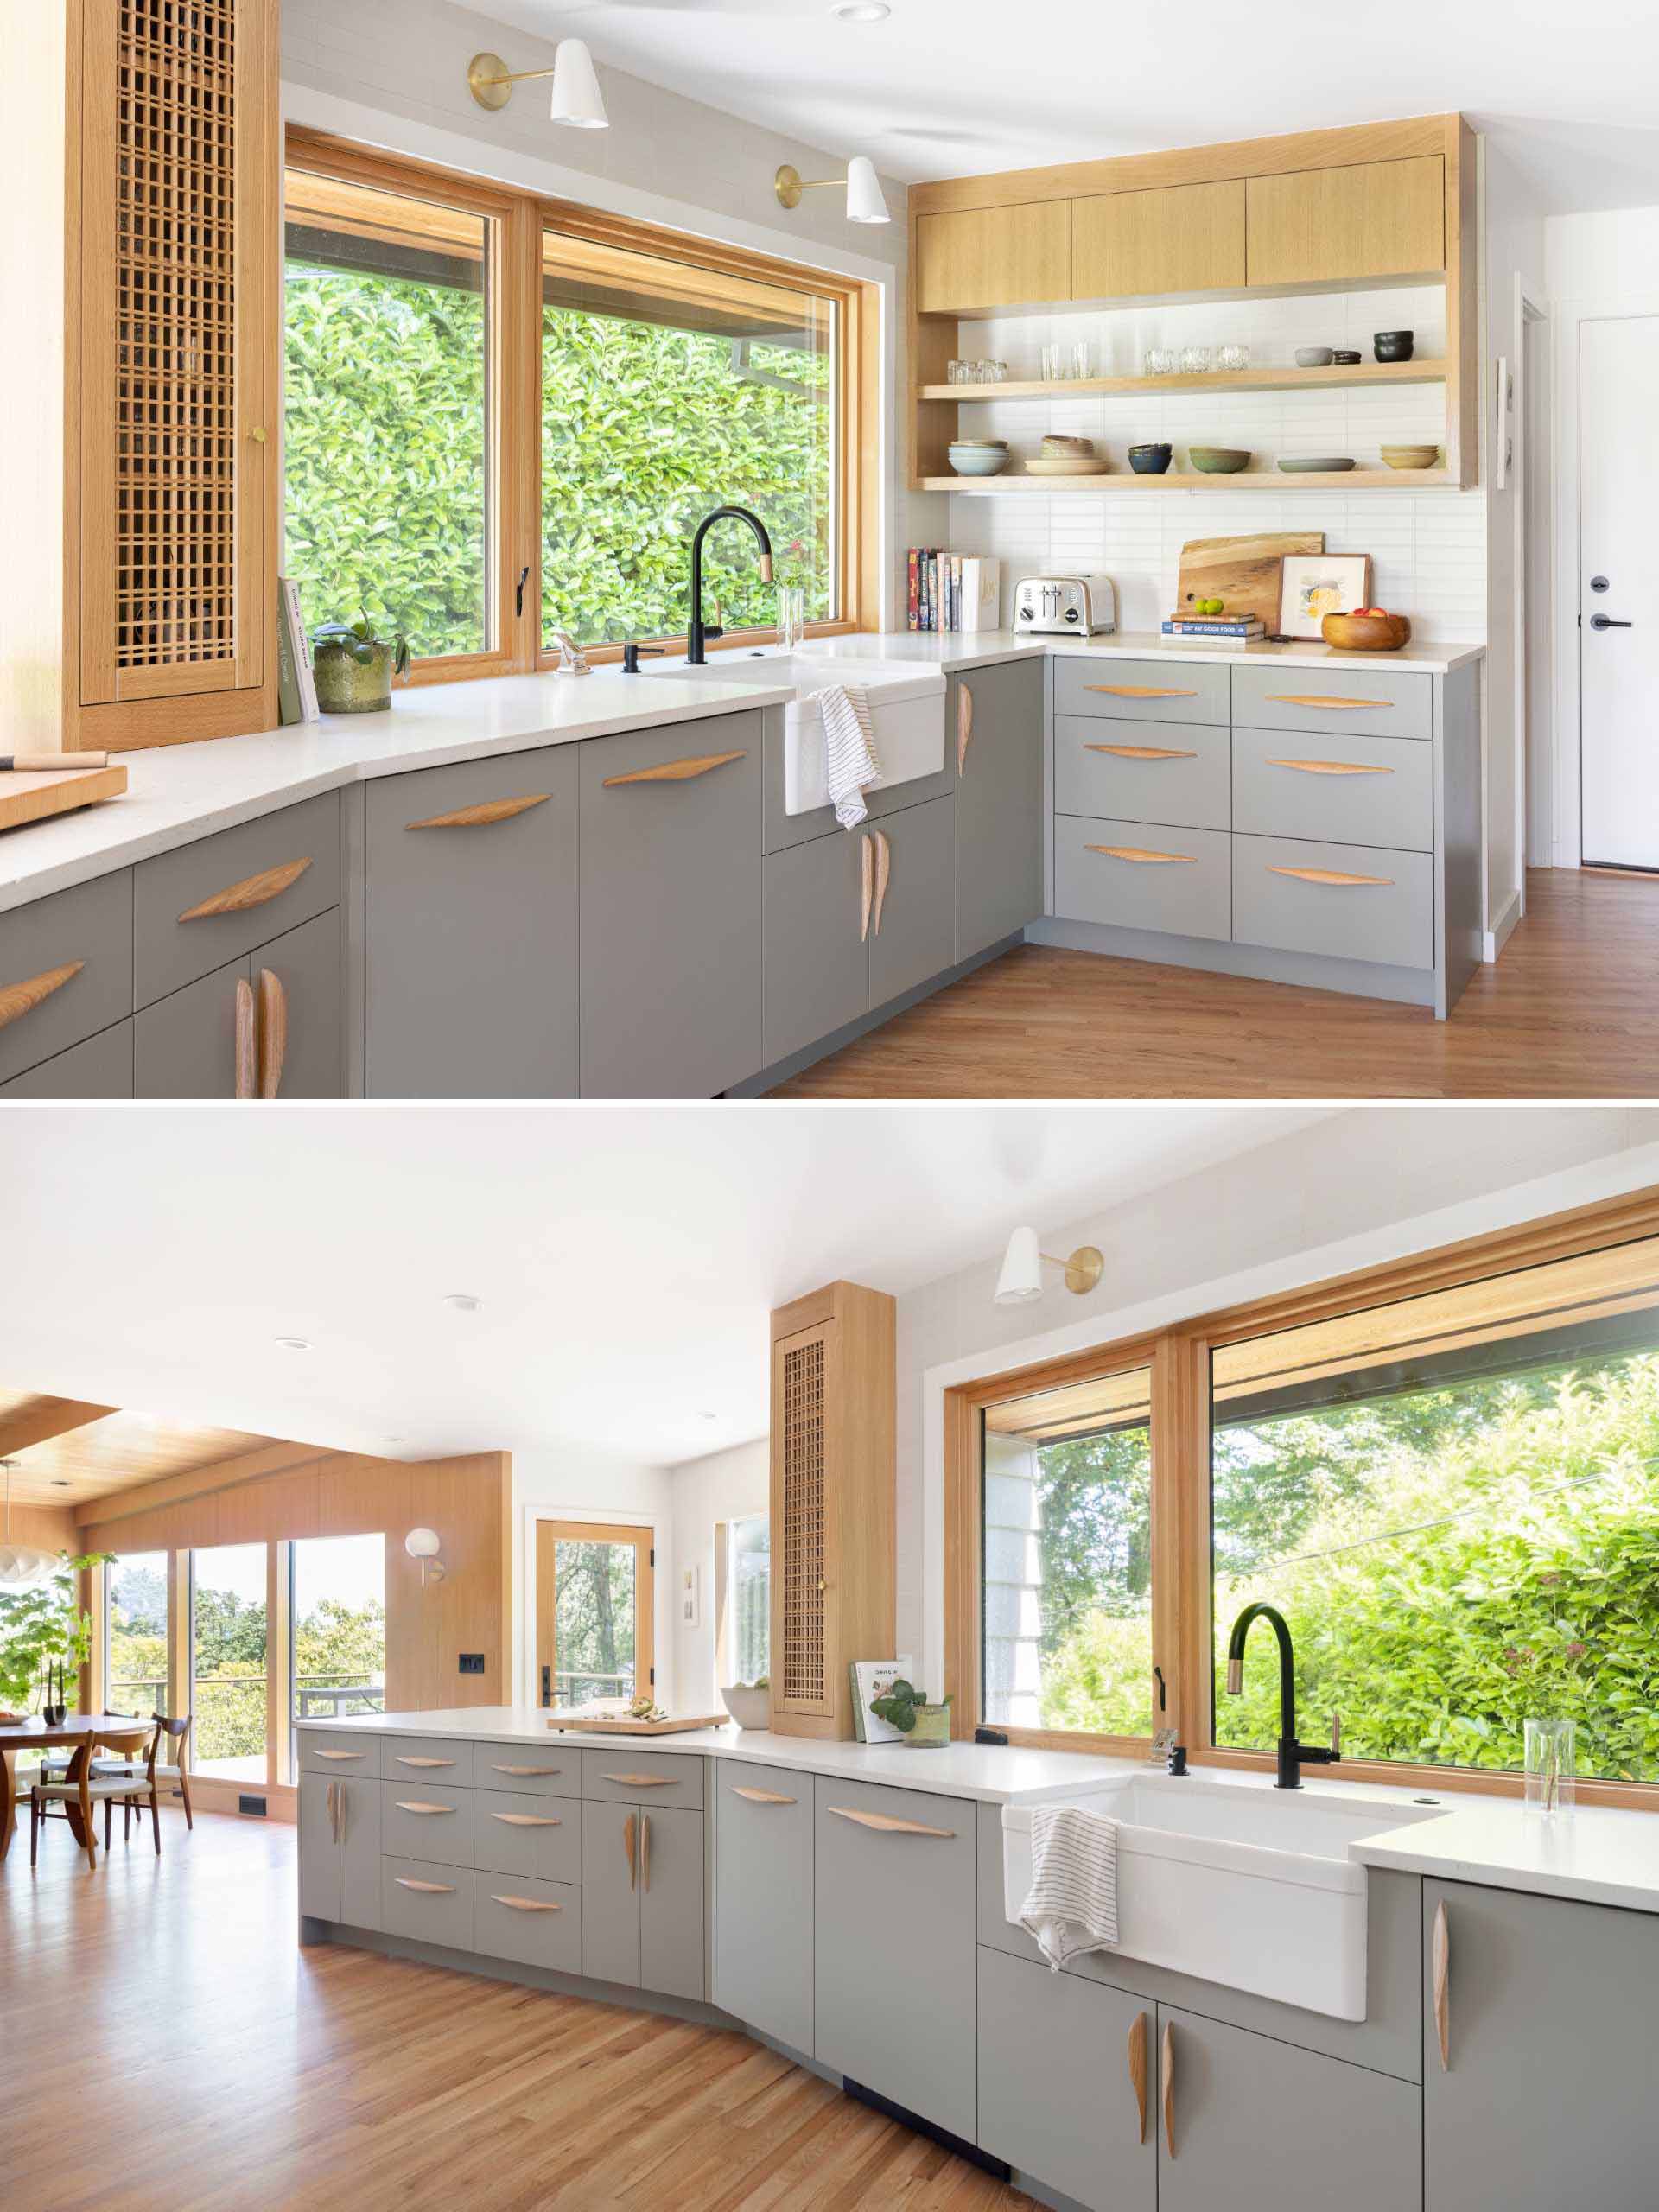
pixel 1247 1886
pixel 906 710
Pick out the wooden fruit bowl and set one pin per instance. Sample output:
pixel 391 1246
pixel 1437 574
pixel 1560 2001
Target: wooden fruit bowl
pixel 1365 634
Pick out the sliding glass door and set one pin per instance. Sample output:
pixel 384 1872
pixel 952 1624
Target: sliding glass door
pixel 135 1650
pixel 229 1644
pixel 338 1643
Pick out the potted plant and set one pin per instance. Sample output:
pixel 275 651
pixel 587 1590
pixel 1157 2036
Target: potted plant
pixel 42 1627
pixel 354 666
pixel 923 1725
pixel 749 1703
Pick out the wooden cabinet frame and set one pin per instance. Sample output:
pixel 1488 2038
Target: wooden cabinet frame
pixel 1180 1361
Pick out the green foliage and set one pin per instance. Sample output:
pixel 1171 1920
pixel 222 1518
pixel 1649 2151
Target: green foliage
pixel 899 1705
pixel 1095 1548
pixel 40 1625
pixel 361 641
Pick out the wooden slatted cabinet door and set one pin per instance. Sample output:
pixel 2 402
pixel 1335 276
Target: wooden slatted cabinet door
pixel 804 1396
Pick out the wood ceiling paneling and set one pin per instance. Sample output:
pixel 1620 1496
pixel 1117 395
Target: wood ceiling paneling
pixel 65 1452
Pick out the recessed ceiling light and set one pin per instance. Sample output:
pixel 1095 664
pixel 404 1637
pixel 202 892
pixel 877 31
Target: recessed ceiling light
pixel 707 1416
pixel 861 11
pixel 295 1343
pixel 462 1301
pixel 394 1439
pixel 61 1482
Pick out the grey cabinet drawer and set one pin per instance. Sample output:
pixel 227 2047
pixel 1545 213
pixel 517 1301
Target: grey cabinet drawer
pixel 1179 774
pixel 526 1770
pixel 470 929
pixel 100 1067
pixel 995 726
pixel 1139 877
pixel 430 1904
pixel 915 937
pixel 184 1046
pixel 899 2017
pixel 65 970
pixel 1347 901
pixel 534 1924
pixel 253 882
pixel 671 1903
pixel 1143 691
pixel 339 1751
pixel 428 1758
pixel 1348 790
pixel 815 965
pixel 1360 702
pixel 763 1895
pixel 514 1834
pixel 418 1820
pixel 670 910
pixel 626 1776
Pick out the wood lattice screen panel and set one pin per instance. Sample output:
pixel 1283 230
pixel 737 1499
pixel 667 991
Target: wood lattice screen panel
pixel 803 1488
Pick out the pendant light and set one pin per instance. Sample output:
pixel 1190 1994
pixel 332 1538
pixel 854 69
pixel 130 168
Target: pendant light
pixel 22 1566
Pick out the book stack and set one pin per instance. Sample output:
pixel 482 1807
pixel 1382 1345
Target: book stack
pixel 1216 629
pixel 296 688
pixel 872 1678
pixel 952 591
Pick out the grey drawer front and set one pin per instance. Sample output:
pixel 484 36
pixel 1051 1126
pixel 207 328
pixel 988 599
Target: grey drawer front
pixel 418 1820
pixel 626 1776
pixel 527 1770
pixel 1179 774
pixel 763 1876
pixel 1357 702
pixel 1380 907
pixel 307 963
pixel 535 1923
pixel 1189 893
pixel 433 1905
pixel 1142 690
pixel 101 1067
pixel 428 1758
pixel 917 939
pixel 185 1047
pixel 339 1751
pixel 1347 791
pixel 241 864
pixel 540 1836
pixel 89 931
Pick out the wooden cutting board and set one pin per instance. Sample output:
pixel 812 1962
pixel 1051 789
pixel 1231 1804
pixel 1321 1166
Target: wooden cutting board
pixel 604 1725
pixel 1242 572
pixel 30 798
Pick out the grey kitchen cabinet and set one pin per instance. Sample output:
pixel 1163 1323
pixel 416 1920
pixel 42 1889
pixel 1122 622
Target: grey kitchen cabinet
pixel 669 909
pixel 1257 2126
pixel 1548 2095
pixel 99 1067
pixel 815 959
pixel 1067 2083
pixel 534 1924
pixel 763 1895
pixel 340 1848
pixel 894 1964
pixel 470 916
pixel 912 936
pixel 995 719
pixel 65 970
pixel 642 1903
pixel 185 1046
pixel 523 1833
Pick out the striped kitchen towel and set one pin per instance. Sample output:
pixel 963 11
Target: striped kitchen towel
pixel 849 749
pixel 1072 1906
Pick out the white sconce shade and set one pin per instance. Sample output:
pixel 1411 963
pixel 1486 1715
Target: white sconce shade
pixel 1021 1278
pixel 577 99
pixel 424 1545
pixel 864 200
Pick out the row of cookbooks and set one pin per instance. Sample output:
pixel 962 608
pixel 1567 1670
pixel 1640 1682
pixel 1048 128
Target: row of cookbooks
pixel 952 591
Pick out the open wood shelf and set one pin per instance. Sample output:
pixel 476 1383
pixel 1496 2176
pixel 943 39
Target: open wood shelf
pixel 1279 380
pixel 1255 479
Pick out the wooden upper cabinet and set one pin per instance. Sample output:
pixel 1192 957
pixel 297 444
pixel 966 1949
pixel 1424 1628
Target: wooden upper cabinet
pixel 1377 219
pixel 1189 237
pixel 993 257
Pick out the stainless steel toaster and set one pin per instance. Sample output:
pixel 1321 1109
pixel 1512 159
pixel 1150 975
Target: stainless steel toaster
pixel 1060 605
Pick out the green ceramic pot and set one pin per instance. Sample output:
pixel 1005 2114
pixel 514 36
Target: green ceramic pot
pixel 932 1728
pixel 348 686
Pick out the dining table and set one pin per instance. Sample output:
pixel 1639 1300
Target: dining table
pixel 118 1732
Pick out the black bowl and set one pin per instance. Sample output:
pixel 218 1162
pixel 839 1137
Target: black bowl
pixel 1346 359
pixel 1150 460
pixel 1394 345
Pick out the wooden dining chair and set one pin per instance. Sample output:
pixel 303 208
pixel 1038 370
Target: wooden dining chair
pixel 170 1736
pixel 81 1788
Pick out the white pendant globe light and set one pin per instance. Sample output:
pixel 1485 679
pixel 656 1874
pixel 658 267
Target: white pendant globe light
pixel 577 99
pixel 864 200
pixel 23 1566
pixel 424 1544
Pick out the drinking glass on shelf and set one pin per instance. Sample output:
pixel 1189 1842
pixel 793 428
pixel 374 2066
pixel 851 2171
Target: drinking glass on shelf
pixel 792 615
pixel 1160 361
pixel 1051 364
pixel 1082 357
pixel 1195 361
pixel 1233 356
pixel 957 374
pixel 999 372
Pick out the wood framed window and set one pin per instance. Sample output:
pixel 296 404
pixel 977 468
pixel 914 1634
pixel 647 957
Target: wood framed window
pixel 1444 1473
pixel 505 416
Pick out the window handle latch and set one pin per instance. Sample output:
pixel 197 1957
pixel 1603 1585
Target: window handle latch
pixel 518 596
pixel 1163 1693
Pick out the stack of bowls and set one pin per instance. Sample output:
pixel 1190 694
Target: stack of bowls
pixel 1063 456
pixel 1411 456
pixel 1150 460
pixel 979 456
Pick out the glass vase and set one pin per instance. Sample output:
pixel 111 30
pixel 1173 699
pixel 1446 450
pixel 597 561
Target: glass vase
pixel 1549 1767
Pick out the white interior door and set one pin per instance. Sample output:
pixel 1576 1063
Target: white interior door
pixel 1618 590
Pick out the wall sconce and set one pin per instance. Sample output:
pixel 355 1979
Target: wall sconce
pixel 864 200
pixel 1021 1278
pixel 576 96
pixel 423 1544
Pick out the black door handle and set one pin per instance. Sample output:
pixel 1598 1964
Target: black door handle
pixel 1607 622
pixel 547 1686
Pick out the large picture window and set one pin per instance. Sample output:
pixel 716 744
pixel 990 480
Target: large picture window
pixel 136 1671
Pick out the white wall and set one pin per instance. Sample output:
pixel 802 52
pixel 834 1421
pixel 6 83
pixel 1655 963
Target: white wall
pixel 719 1488
pixel 1361 1187
pixel 559 1483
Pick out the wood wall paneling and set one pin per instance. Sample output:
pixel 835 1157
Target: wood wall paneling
pixel 1187 238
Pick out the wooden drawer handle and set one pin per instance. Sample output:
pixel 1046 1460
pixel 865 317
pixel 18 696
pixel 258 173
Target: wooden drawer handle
pixel 273 1032
pixel 762 1796
pixel 337 1754
pixel 1167 2072
pixel 1317 699
pixel 252 891
pixel 247 1031
pixel 1443 1985
pixel 1143 856
pixel 676 772
pixel 644 1851
pixel 1139 691
pixel 883 873
pixel 416 1805
pixel 886 1822
pixel 1138 2067
pixel 526 1770
pixel 628 1846
pixel 865 886
pixel 481 816
pixel 19 999
pixel 1331 768
pixel 647 1781
pixel 424 1889
pixel 964 726
pixel 414 1758
pixel 526 1904
pixel 528 1820
pixel 1326 876
pixel 1142 752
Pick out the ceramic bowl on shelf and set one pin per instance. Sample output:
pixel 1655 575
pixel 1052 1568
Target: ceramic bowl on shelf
pixel 1314 357
pixel 1410 456
pixel 978 456
pixel 1317 465
pixel 1365 634
pixel 1150 460
pixel 1054 445
pixel 749 1706
pixel 1345 357
pixel 1065 464
pixel 1394 345
pixel 1218 461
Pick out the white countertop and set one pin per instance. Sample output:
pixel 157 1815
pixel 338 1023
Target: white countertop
pixel 1592 1853
pixel 954 649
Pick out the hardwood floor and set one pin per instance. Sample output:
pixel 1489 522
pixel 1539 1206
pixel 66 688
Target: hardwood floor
pixel 1571 1011
pixel 168 2044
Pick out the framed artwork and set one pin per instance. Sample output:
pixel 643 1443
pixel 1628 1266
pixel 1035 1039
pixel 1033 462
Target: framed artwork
pixel 1317 584
pixel 691 1597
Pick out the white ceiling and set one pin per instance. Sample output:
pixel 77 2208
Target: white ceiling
pixel 949 88
pixel 627 1256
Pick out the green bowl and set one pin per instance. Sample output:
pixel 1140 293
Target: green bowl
pixel 1218 461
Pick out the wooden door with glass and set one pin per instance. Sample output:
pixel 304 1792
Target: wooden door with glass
pixel 594 1585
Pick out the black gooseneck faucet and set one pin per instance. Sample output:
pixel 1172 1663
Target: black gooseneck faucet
pixel 1291 1753
pixel 698 633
